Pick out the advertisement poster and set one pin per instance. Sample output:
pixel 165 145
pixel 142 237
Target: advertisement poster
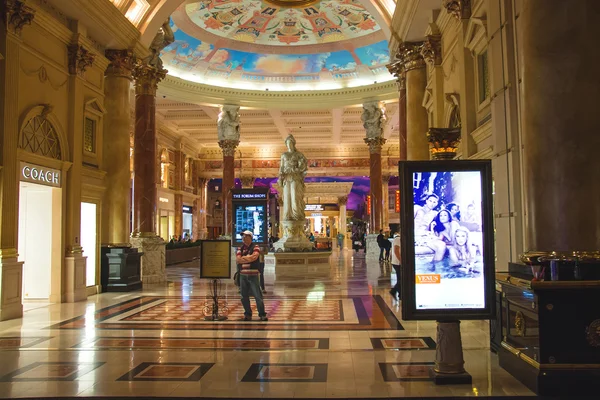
pixel 448 240
pixel 215 259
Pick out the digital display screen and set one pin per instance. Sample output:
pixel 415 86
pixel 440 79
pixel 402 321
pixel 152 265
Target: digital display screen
pixel 251 217
pixel 448 240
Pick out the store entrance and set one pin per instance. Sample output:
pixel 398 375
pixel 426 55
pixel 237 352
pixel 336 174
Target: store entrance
pixel 40 214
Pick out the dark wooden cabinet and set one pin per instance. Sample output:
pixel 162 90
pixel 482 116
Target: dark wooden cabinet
pixel 551 334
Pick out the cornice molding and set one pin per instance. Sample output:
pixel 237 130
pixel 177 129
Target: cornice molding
pixel 198 93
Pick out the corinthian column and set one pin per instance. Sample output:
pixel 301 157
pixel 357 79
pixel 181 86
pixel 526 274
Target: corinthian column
pixel 11 270
pixel 560 126
pixel 115 207
pixel 397 69
pixel 386 202
pixel 409 54
pixel 229 138
pixel 374 120
pixel 342 202
pixel 145 162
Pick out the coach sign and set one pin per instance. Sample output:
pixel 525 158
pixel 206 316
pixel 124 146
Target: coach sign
pixel 40 175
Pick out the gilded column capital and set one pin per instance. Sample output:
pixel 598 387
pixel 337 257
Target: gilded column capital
pixel 443 142
pixel 147 78
pixel 375 144
pixel 80 59
pixel 17 15
pixel 397 70
pixel 121 63
pixel 460 9
pixel 342 201
pixel 409 54
pixel 431 51
pixel 228 147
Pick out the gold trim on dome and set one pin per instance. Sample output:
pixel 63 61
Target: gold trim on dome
pixel 292 3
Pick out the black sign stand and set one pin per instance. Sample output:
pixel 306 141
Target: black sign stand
pixel 213 309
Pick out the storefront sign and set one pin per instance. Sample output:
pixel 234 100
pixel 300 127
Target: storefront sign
pixel 215 261
pixel 313 207
pixel 41 175
pixel 249 196
pixel 397 202
pixel 369 204
pixel 163 200
pixel 187 209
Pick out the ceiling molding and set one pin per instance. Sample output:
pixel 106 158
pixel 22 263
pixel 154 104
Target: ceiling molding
pixel 191 92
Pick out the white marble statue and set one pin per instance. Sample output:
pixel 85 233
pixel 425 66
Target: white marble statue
pixel 292 170
pixel 229 123
pixel 163 38
pixel 374 119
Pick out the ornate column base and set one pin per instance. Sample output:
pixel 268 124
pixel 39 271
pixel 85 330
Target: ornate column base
pixel 449 363
pixel 153 258
pixel 75 290
pixel 11 284
pixel 372 251
pixel 293 239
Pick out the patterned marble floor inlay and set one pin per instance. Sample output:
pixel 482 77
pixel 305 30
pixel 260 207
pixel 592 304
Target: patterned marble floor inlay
pixel 289 313
pixel 51 371
pixel 286 373
pixel 17 342
pixel 140 343
pixel 406 343
pixel 397 372
pixel 170 371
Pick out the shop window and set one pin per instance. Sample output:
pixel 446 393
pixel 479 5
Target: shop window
pixel 39 137
pixel 483 77
pixel 89 135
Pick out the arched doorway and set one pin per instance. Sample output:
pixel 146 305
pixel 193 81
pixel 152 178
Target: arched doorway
pixel 40 229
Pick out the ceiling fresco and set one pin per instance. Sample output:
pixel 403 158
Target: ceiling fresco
pixel 263 22
pixel 234 43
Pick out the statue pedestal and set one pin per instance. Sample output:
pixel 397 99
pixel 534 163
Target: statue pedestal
pixel 373 249
pixel 299 266
pixel 293 239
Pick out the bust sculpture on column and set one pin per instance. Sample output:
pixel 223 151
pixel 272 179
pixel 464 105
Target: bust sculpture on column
pixel 292 170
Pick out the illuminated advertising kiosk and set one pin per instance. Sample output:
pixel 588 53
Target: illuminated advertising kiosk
pixel 250 212
pixel 447 240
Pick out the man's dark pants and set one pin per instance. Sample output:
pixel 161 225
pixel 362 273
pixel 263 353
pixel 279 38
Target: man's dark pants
pixel 249 285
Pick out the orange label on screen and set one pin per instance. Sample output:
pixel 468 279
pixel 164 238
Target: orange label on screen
pixel 428 278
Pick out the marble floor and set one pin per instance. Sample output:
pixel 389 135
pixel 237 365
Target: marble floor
pixel 338 335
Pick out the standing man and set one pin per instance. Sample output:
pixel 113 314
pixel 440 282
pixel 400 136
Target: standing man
pixel 380 239
pixel 340 239
pixel 248 264
pixel 395 291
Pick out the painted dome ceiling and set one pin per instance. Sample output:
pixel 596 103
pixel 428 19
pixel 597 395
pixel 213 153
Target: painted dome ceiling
pixel 253 44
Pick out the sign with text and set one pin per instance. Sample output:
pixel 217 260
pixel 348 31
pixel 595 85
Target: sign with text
pixel 447 241
pixel 249 196
pixel 250 213
pixel 313 207
pixel 215 259
pixel 40 175
pixel 188 209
